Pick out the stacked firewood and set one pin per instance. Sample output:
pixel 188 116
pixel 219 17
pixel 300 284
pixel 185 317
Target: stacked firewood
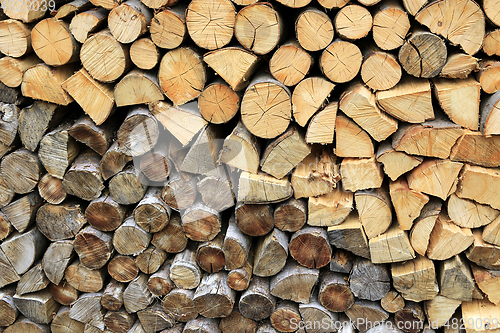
pixel 248 166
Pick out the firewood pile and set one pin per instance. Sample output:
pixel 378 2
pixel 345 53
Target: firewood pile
pixel 217 166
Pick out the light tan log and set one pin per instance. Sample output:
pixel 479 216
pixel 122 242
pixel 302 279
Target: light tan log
pixel 415 280
pixel 258 28
pixel 455 279
pixel 37 306
pixel 137 87
pixel 22 251
pixel 5 226
pixel 423 54
pixel 9 123
pixel 182 75
pixel 353 22
pixel 308 97
pixel 364 314
pixel 179 305
pixel 236 322
pixel 72 7
pixel 185 272
pixel 261 188
pixel 218 103
pixel 491 46
pixel 202 155
pixel 290 63
pixel 33 280
pixel 64 293
pixel 478 316
pixel 257 303
pixel 395 162
pixel 321 128
pixel 12 69
pixel 487 281
pixel 51 189
pixel 155 163
pixel 87 309
pixel 21 212
pixel 467 31
pixel 484 188
pixel 333 4
pixel 330 209
pixel 83 179
pixel 21 170
pixel 168 27
pixel 459 66
pixel 352 140
pixel 271 252
pixel 489 112
pixel 294 282
pixel 119 321
pixel 151 213
pixel 63 323
pixel 213 297
pixel 359 174
pixel 482 253
pixel 408 203
pixel 374 59
pixel 475 148
pixel 236 246
pixel 159 283
pixel 440 245
pixel 123 268
pixel 469 214
pixel 128 186
pixel 129 21
pixel 234 64
pixel 8 310
pixel 179 193
pixel 220 184
pixel 85 23
pixel 201 223
pixel 16 38
pixel 240 150
pixel 130 239
pixel 314 29
pixel 430 177
pixel 97 138
pixel 334 293
pixel 172 238
pixel 491 232
pixel 85 279
pixel 390 25
pixel 392 302
pixel 341 61
pixel 392 246
pixel 488 75
pixel 144 53
pixel 104 213
pixel 138 133
pixel 137 296
pixel 112 296
pixel 350 236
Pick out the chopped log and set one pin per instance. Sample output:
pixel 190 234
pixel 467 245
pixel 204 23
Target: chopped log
pixel 352 140
pixel 350 236
pixel 314 29
pixel 202 155
pixel 84 279
pixel 16 38
pixel 155 164
pixel 271 252
pixel 309 96
pixel 341 261
pixel 459 66
pixel 234 64
pixel 159 283
pixel 56 258
pixel 240 150
pixel 455 279
pixel 112 296
pixel 123 268
pixel 237 244
pixel 72 7
pixel 6 193
pixel 482 253
pixel 294 282
pixel 38 306
pixel 258 28
pixel 370 69
pixel 273 115
pixel 469 214
pixel 151 213
pixel 440 245
pixel 137 296
pixel 423 54
pixel 104 213
pixel 395 162
pixel 491 45
pixel 93 247
pixel 87 309
pixel 33 280
pixel 290 63
pixel 317 174
pixel 491 232
pixel 9 273
pixel 330 209
pixel 411 318
pixel 129 21
pixel 130 239
pixel 360 174
pixel 119 321
pixel 185 272
pixel 24 324
pixel 257 303
pixel 353 22
pixel 423 226
pixel 390 25
pixel 105 66
pixel 366 314
pixel 290 215
pixel 239 279
pixel 236 322
pixel 128 186
pixel 137 87
pixel 315 312
pixel 408 203
pixel 341 61
pixel 178 193
pixel 97 138
pixel 9 123
pixel 64 293
pixel 218 102
pixel 321 128
pixel 415 280
pixel 50 79
pixel 144 53
pixel 294 3
pixel 487 281
pixel 8 309
pixel 150 260
pixel 478 316
pixel 182 75
pixel 22 251
pixel 466 30
pixel 374 209
pixel 431 178
pixel 21 212
pixel 21 170
pixel 179 305
pixel 63 323
pixel 5 226
pixel 11 95
pixel 284 153
pixel 201 223
pixel 85 23
pixel 392 302
pixel 476 148
pixel 310 247
pixel 284 317
pixel 210 256
pixel 83 179
pixel 172 238
pixel 333 4
pixel 201 325
pixel 168 27
pixel 334 293
pixel 488 75
pixel 12 69
pixel 262 188
pixel 489 113
pixel 138 133
pixel 213 297
pixel 51 189
pixel 368 280
pixel 153 319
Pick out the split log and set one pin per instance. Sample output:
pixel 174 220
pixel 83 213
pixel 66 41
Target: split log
pixel 153 319
pixel 83 179
pixel 341 261
pixel 294 3
pixel 487 281
pixel 459 66
pixel 489 112
pixel 236 245
pixel 129 21
pixel 290 63
pixel 38 306
pixel 201 325
pixel 423 225
pixel 151 213
pixel 290 215
pixel 309 96
pixel 257 303
pixel 168 27
pixel 155 164
pixel 16 38
pixel 415 280
pixel 331 4
pixel 395 162
pixel 97 138
pixel 201 223
pixel 469 214
pixel 236 322
pixel 64 293
pixel 33 280
pixel 50 79
pixel 63 323
pixel 240 150
pixel 390 25
pixel 130 239
pixel 84 279
pixel 179 194
pixel 491 232
pixel 159 283
pixel 314 29
pixel 202 155
pixel 172 238
pixel 258 28
pixel 455 279
pixel 330 209
pixel 423 54
pixel 491 46
pixel 408 203
pixel 271 252
pixel 218 102
pixel 24 324
pixel 430 177
pixel 138 133
pixel 366 314
pixel 294 282
pixel 262 188
pixel 72 7
pixel 9 312
pixel 144 53
pixel 112 296
pixel 374 209
pixel 310 247
pixel 22 251
pixel 353 22
pixel 392 302
pixel 370 69
pixel 321 128
pixel 9 273
pixel 341 61
pixel 368 280
pixel 285 315
pixel 123 268
pixel 137 296
pixel 239 279
pixel 51 189
pixel 137 87
pixel 284 153
pixel 150 260
pixel 478 315
pixel 21 212
pixel 182 75
pixel 350 236
pixel 315 312
pixel 104 213
pixel 475 148
pixel 440 245
pixel 213 297
pixel 179 305
pixel 85 23
pixel 482 253
pixel 5 226
pixel 93 247
pixel 88 310
pixel 185 272
pixel 119 321
pixel 128 186
pixel 334 293
pixel 411 318
pixel 21 170
pixel 352 140
pixel 359 174
pixel 12 69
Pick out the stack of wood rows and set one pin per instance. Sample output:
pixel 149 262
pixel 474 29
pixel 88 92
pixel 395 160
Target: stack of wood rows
pixel 248 166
